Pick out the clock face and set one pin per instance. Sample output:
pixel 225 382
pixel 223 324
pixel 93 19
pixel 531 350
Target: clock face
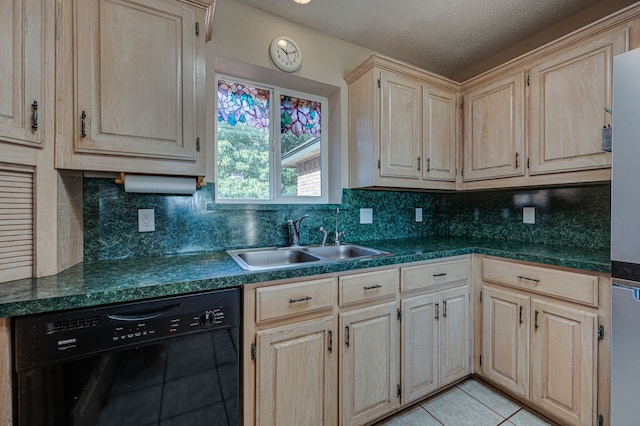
pixel 285 54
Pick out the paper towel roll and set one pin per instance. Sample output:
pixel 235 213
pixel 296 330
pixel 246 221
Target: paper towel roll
pixel 159 184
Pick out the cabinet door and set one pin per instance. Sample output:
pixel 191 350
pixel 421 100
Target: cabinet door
pixel 369 363
pixel 135 78
pixel 438 134
pixel 296 374
pixel 568 93
pixel 454 335
pixel 505 339
pixel 494 129
pixel 400 127
pixel 419 346
pixel 563 357
pixel 22 73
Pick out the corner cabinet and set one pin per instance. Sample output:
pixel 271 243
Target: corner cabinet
pixel 494 117
pixel 132 86
pixel 402 126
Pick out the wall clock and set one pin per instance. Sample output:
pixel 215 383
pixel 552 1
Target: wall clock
pixel 285 54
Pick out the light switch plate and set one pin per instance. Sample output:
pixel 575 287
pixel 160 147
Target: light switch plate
pixel 528 215
pixel 146 220
pixel 366 216
pixel 418 214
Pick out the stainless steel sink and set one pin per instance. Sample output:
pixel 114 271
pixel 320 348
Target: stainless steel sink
pixel 345 251
pixel 261 259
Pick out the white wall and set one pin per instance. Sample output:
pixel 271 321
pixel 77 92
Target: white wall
pixel 240 46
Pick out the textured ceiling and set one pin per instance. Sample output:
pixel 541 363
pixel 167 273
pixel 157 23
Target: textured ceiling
pixel 443 36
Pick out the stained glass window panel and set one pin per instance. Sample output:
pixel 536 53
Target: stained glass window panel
pixel 243 141
pixel 300 139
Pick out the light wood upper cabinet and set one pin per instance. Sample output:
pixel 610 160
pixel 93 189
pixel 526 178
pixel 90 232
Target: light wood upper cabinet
pixel 439 122
pixel 400 126
pixel 563 361
pixel 567 94
pixel 494 117
pixel 297 374
pixel 25 52
pixel 505 339
pixel 369 363
pixel 137 97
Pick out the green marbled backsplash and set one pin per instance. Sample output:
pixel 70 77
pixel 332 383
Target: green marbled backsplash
pixel 573 216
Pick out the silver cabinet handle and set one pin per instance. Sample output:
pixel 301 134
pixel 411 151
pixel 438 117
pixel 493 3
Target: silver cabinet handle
pixel 536 320
pixel 444 309
pixel 520 318
pixel 418 163
pixel 442 274
pixel 346 340
pixel 437 311
pixel 330 341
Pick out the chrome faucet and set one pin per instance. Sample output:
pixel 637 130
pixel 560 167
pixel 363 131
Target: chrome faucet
pixel 294 230
pixel 324 235
pixel 338 234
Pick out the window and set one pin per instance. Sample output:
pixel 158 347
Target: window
pixel 270 144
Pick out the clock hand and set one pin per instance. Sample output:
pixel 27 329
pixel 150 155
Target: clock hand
pixel 285 52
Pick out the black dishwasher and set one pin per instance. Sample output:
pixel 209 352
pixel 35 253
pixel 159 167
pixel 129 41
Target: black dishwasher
pixel 169 361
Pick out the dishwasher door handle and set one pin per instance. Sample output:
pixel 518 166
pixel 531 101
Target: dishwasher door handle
pixel 143 315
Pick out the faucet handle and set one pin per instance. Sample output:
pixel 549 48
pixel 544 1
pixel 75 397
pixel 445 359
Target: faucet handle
pixel 338 235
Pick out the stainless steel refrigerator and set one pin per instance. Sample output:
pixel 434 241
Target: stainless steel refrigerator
pixel 625 241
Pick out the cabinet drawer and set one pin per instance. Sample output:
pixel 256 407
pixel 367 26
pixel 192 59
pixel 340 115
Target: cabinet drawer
pixel 422 276
pixel 292 299
pixel 563 284
pixel 370 285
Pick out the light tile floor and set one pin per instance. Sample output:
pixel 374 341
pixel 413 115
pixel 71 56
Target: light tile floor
pixel 468 403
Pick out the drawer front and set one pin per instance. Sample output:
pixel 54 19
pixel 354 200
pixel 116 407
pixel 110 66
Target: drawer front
pixel 422 276
pixel 292 299
pixel 370 285
pixel 571 286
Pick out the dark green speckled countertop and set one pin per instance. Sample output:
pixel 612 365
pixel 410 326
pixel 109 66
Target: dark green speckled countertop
pixel 112 281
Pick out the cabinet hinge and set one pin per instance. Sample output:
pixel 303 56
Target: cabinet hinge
pixel 399 391
pixel 462 172
pixel 197 29
pixel 528 162
pixel 528 80
pixel 198 144
pixel 254 351
pixel 462 105
pixel 379 83
pixel 469 361
pixel 379 164
pixel 399 314
pixel 480 296
pixel 600 420
pixel 601 332
pixel 480 360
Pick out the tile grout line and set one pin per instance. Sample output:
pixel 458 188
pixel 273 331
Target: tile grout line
pixel 504 418
pixel 429 413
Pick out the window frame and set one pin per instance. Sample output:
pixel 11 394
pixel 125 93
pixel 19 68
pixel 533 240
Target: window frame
pixel 275 154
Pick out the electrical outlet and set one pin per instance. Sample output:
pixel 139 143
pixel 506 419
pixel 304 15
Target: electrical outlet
pixel 418 214
pixel 528 215
pixel 146 220
pixel 366 216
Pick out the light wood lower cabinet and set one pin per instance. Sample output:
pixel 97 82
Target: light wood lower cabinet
pixel 563 361
pixel 505 339
pixel 369 363
pixel 542 349
pixel 296 380
pixel 435 341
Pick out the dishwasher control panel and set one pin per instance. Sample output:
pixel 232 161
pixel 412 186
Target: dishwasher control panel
pixel 54 337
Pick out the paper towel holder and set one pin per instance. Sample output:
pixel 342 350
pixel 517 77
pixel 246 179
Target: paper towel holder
pixel 122 179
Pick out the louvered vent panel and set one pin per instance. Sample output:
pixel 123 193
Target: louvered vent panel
pixel 16 225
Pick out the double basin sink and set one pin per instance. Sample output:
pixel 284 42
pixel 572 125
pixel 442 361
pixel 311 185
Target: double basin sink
pixel 261 259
